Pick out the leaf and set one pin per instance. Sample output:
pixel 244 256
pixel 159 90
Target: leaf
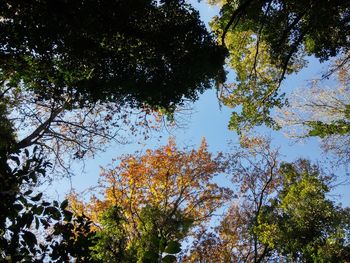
pixel 28 192
pixel 37 197
pixel 23 200
pixel 33 176
pixel 154 240
pixel 67 215
pixel 35 148
pixel 16 159
pixel 44 222
pixel 187 223
pixel 169 259
pixel 173 247
pixel 38 210
pixel 53 212
pixel 64 204
pixel 29 219
pixel 18 207
pixel 37 223
pixel 29 238
pixel 44 203
pixel 151 256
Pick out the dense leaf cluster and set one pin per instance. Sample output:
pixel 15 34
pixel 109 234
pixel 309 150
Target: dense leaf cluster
pixel 141 52
pixel 27 218
pixel 153 55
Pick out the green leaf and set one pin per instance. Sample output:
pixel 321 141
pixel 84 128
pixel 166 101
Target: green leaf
pixel 38 210
pixel 37 223
pixel 28 192
pixel 23 200
pixel 53 212
pixel 29 238
pixel 45 203
pixel 154 240
pixel 18 207
pixel 64 204
pixel 150 256
pixel 67 215
pixel 33 176
pixel 29 219
pixel 16 159
pixel 169 259
pixel 37 197
pixel 173 247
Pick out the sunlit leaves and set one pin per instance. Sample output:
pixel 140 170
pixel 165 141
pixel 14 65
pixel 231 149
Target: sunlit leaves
pixel 161 194
pixel 268 40
pixel 282 213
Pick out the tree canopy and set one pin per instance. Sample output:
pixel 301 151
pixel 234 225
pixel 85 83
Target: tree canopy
pixel 76 75
pixel 141 52
pixel 282 214
pixel 157 198
pixel 268 40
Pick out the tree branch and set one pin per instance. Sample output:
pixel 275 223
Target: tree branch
pixel 235 17
pixel 38 132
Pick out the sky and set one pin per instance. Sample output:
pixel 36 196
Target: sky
pixel 209 120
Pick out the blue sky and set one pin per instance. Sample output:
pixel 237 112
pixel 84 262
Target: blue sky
pixel 207 120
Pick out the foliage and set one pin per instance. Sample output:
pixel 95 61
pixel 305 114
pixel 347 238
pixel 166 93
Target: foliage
pixel 76 75
pixel 160 235
pixel 282 214
pixel 144 52
pixel 70 72
pixel 310 227
pixel 19 209
pixel 110 242
pixel 161 196
pixel 31 229
pixel 68 134
pixel 7 133
pixel 269 39
pixel 82 74
pixel 72 238
pixel 322 111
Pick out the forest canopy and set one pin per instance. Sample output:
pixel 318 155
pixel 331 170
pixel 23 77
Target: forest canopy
pixel 78 77
pixel 140 52
pixel 269 40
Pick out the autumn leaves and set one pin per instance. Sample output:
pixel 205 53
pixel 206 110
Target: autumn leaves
pixel 177 185
pixel 163 197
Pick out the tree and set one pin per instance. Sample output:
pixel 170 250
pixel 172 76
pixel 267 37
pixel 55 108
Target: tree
pixel 72 82
pixel 254 170
pixel 322 111
pixel 70 71
pixel 161 196
pixel 281 214
pixel 73 133
pixel 145 52
pixel 268 40
pixel 110 243
pixel 31 228
pixel 310 226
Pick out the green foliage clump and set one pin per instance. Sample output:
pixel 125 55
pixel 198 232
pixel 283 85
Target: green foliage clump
pixel 268 40
pixel 137 52
pixel 301 223
pixel 158 238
